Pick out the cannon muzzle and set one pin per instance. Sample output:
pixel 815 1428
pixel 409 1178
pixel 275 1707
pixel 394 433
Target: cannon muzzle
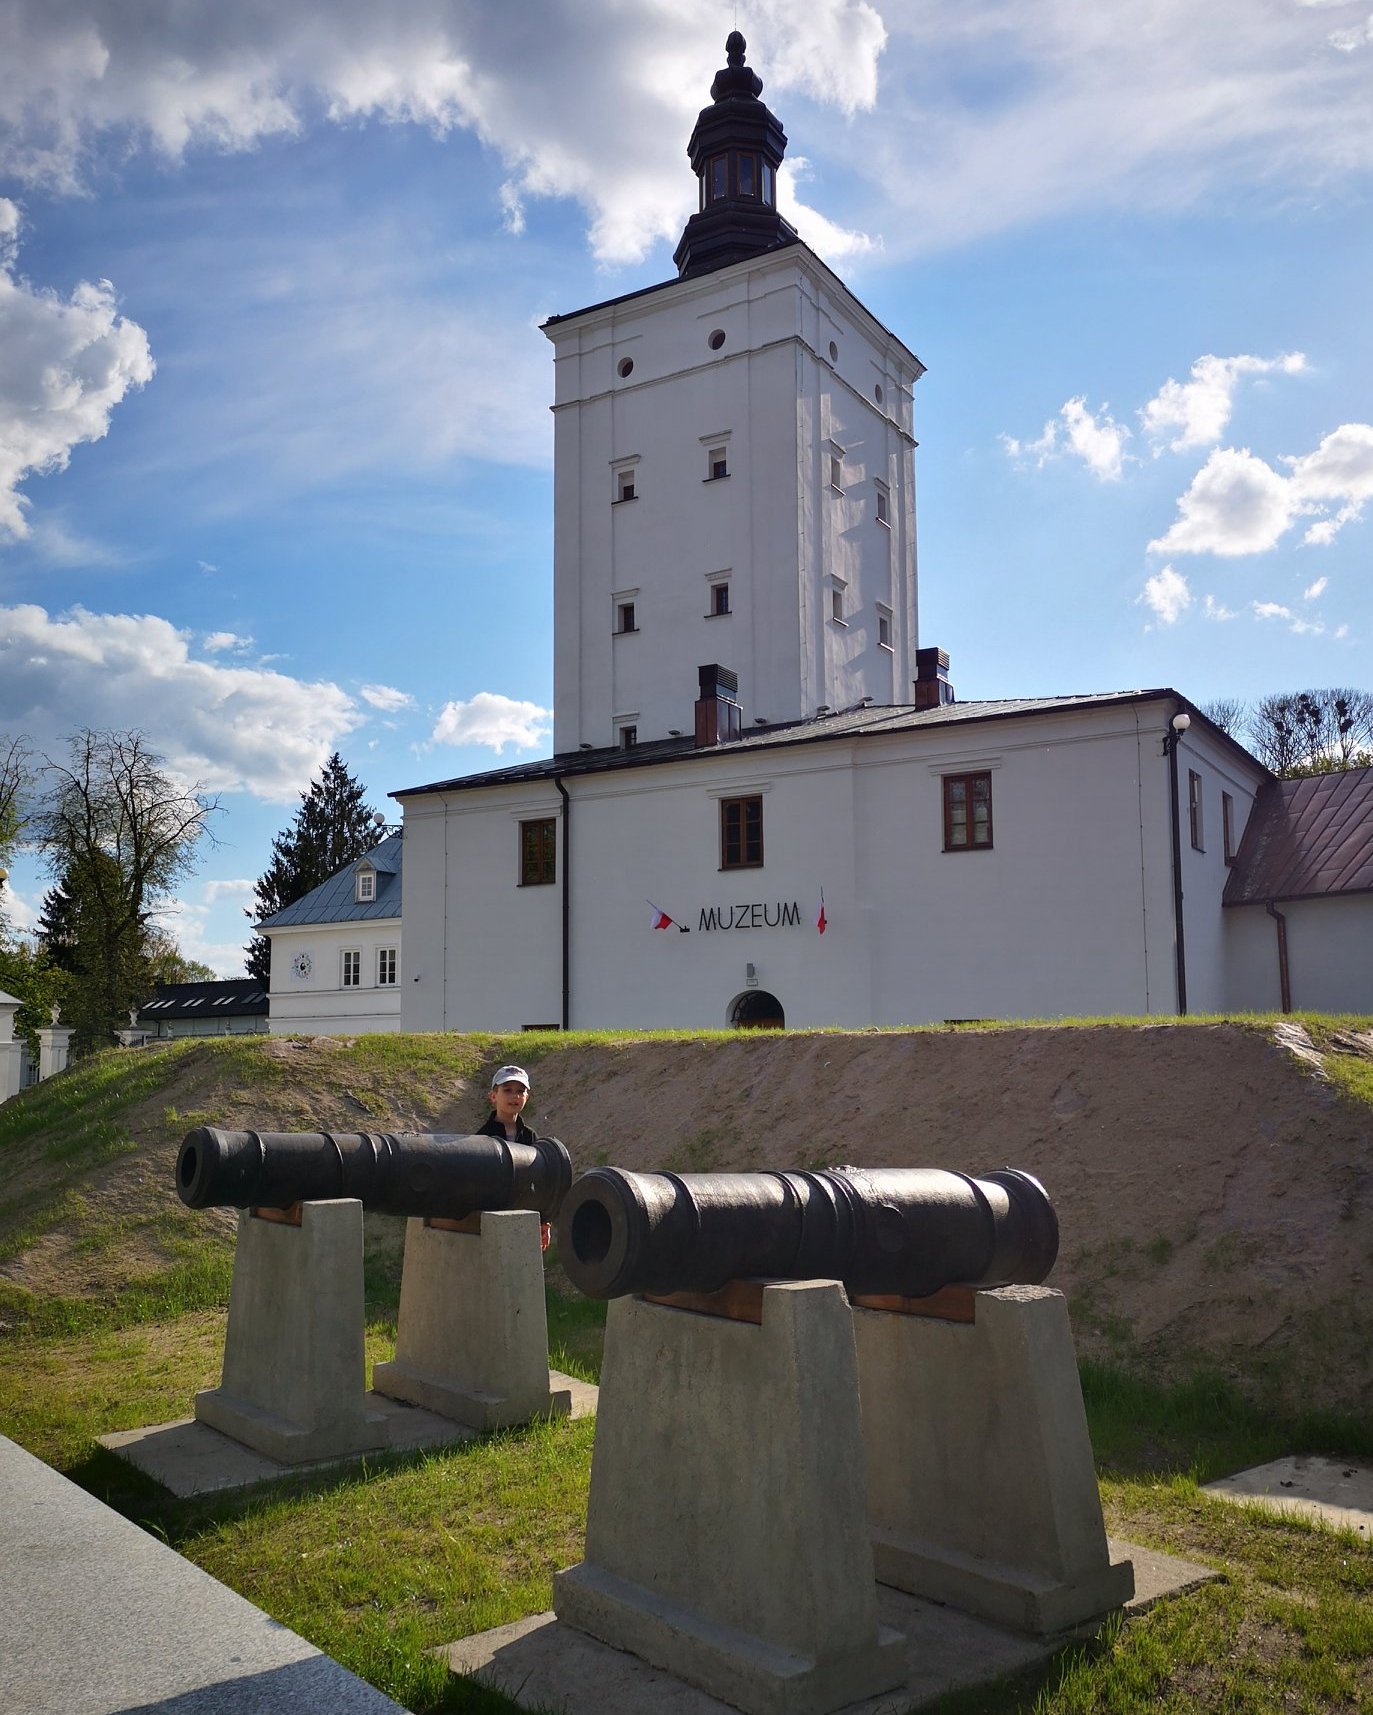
pixel 393 1173
pixel 907 1231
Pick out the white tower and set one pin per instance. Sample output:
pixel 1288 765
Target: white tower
pixel 734 478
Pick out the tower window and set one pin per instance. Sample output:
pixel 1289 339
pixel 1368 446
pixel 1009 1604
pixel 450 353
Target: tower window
pixel 836 473
pixel 719 178
pixel 883 628
pixel 883 506
pixel 717 463
pixel 624 486
pixel 719 600
pixel 748 175
pixel 625 615
pixel 837 604
pixel 768 192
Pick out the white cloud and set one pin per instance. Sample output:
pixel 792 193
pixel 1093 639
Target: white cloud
pixel 384 698
pixel 20 910
pixel 1237 504
pixel 1167 594
pixel 1214 609
pixel 1096 438
pixel 64 366
pixel 233 728
pixel 216 642
pixel 1271 610
pixel 494 721
pixel 1313 592
pixel 1200 408
pixel 213 892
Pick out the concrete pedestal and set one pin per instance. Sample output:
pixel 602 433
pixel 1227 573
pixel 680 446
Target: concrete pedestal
pixel 294 1375
pixel 727 1537
pixel 54 1049
pixel 472 1332
pixel 981 1486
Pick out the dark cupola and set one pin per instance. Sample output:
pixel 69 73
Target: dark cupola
pixel 735 152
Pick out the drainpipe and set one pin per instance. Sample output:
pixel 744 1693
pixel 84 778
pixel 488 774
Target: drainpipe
pixel 1284 975
pixel 1172 738
pixel 567 896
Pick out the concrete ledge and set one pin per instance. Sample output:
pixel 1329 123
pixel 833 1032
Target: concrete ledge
pixel 542 1664
pixel 1339 1492
pixel 99 1618
pixel 481 1411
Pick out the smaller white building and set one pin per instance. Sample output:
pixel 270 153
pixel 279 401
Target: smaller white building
pixel 336 952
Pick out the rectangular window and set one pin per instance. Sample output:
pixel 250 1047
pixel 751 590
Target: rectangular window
pixel 386 967
pixel 629 737
pixel 625 614
pixel 741 833
pixel 352 968
pixel 883 507
pixel 767 184
pixel 719 600
pixel 883 630
pixel 719 179
pixel 367 886
pixel 717 463
pixel 748 175
pixel 624 485
pixel 538 852
pixel 1194 808
pixel 836 472
pixel 967 812
pixel 1227 816
pixel 837 605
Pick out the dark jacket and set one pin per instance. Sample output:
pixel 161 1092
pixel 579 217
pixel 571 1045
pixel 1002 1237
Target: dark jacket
pixel 494 1128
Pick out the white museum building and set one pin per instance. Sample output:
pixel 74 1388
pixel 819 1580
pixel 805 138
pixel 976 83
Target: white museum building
pixel 765 805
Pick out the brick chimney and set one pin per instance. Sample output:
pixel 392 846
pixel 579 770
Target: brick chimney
pixel 932 687
pixel 717 706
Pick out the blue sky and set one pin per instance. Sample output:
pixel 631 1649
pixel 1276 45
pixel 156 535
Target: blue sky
pixel 275 449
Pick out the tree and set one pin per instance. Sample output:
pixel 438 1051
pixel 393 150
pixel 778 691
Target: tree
pixel 16 779
pixel 168 964
pixel 1312 732
pixel 332 827
pixel 1228 713
pixel 118 832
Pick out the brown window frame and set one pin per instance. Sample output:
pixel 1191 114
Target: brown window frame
pixel 1195 820
pixel 947 782
pixel 741 847
pixel 539 859
pixel 1227 820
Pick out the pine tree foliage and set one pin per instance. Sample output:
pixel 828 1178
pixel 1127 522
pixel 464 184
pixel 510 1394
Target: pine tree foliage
pixel 333 827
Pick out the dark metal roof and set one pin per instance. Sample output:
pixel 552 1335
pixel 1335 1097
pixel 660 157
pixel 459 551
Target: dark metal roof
pixel 243 997
pixel 1307 839
pixel 335 901
pixel 852 724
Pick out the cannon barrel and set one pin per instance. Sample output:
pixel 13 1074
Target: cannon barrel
pixel 907 1231
pixel 394 1173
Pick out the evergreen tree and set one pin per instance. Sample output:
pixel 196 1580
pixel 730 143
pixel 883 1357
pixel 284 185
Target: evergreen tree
pixel 332 827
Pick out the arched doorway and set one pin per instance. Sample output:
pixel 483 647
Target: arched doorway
pixel 756 1009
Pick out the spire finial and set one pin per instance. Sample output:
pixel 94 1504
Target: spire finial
pixel 736 78
pixel 735 48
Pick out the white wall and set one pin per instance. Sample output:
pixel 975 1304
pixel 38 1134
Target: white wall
pixel 319 1005
pixel 774 524
pixel 1070 912
pixel 1329 955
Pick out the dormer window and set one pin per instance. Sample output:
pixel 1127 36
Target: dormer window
pixel 365 888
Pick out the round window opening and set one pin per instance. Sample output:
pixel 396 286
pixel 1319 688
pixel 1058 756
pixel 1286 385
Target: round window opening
pixel 834 352
pixel 717 339
pixel 625 368
pixel 877 393
pixel 756 1009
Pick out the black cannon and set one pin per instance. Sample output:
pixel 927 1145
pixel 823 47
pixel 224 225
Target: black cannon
pixel 394 1173
pixel 907 1231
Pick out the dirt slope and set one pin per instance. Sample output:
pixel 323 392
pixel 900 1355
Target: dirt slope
pixel 1215 1193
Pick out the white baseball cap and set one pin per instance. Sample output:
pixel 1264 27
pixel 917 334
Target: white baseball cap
pixel 510 1075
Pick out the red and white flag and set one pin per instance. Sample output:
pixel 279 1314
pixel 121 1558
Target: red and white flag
pixel 661 920
pixel 821 921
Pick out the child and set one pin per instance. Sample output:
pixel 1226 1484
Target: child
pixel 508 1093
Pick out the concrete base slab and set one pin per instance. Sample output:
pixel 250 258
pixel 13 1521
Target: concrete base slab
pixel 189 1458
pixel 478 1410
pixel 1336 1490
pixel 97 1617
pixel 542 1664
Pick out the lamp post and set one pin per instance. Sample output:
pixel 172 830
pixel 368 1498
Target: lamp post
pixel 1171 739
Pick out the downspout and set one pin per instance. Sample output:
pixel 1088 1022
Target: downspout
pixel 1284 975
pixel 567 896
pixel 1170 744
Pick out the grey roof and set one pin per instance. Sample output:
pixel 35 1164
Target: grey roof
pixel 1306 839
pixel 334 901
pixel 851 724
pixel 241 997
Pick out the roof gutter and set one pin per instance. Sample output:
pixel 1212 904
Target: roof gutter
pixel 566 867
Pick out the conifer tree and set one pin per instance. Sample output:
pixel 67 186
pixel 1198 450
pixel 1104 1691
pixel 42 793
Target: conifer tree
pixel 332 827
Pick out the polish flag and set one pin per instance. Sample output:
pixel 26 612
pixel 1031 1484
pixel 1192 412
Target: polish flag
pixel 821 921
pixel 661 920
